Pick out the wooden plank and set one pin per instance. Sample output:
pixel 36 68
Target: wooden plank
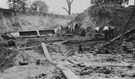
pixel 38 33
pixel 28 37
pixel 108 64
pixel 67 72
pixel 46 52
pixel 71 59
pixel 26 48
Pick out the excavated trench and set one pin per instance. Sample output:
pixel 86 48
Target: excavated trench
pixel 29 61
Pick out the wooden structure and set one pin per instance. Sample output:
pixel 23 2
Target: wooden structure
pixel 6 12
pixel 39 33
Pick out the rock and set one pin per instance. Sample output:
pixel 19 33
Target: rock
pixel 57 77
pixel 130 66
pixel 123 75
pixel 44 74
pixel 37 62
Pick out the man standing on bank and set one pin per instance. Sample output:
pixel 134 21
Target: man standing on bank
pixel 111 32
pixel 106 32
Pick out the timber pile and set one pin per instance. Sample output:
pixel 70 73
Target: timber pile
pixel 66 71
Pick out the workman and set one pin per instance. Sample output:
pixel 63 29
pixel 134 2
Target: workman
pixel 111 32
pixel 97 29
pixel 106 32
pixel 80 48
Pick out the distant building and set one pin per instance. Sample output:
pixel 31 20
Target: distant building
pixel 124 3
pixel 128 3
pixel 131 2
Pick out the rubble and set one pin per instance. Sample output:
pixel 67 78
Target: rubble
pixel 90 70
pixel 94 61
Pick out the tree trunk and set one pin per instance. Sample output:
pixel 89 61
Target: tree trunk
pixel 69 3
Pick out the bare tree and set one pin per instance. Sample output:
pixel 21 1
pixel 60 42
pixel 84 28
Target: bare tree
pixel 69 3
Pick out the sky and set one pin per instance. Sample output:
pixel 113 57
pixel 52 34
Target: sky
pixel 55 6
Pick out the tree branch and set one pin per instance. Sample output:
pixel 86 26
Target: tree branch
pixel 65 9
pixel 71 1
pixel 68 1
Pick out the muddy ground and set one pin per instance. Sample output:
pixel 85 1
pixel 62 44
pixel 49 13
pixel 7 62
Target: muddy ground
pixel 86 64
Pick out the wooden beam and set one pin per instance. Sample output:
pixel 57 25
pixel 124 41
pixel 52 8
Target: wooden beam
pixel 38 33
pixel 127 25
pixel 124 64
pixel 71 59
pixel 26 48
pixel 66 71
pixel 69 74
pixel 46 52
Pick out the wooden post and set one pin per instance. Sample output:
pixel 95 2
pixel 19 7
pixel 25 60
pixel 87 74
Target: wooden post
pixel 38 33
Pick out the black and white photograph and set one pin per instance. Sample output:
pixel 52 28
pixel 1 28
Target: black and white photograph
pixel 67 39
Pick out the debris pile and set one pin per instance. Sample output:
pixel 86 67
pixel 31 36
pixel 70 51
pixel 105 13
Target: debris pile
pixel 90 70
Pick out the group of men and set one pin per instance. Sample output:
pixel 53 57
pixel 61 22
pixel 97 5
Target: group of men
pixel 73 28
pixel 107 30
